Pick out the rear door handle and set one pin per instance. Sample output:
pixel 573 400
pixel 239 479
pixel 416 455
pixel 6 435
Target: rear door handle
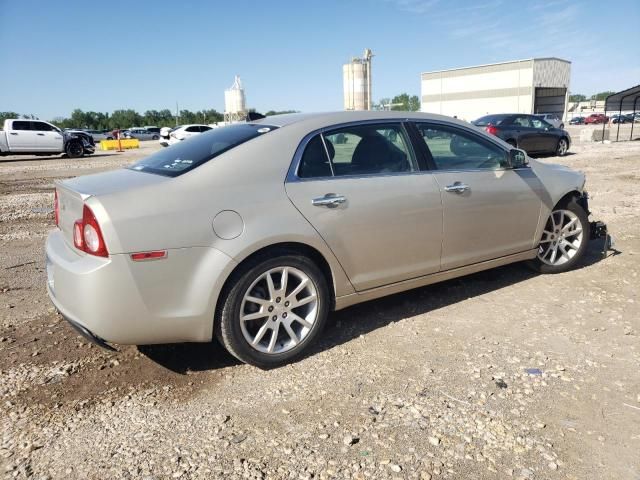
pixel 13 133
pixel 41 134
pixel 330 200
pixel 457 187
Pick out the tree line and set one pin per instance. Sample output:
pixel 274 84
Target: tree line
pixel 579 97
pixel 128 118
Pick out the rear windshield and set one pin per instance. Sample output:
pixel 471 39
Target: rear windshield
pixel 489 119
pixel 199 149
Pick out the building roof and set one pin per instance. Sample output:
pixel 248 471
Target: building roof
pixel 498 63
pixel 628 99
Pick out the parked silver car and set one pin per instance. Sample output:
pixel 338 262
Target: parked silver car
pixel 141 134
pixel 254 232
pixel 552 118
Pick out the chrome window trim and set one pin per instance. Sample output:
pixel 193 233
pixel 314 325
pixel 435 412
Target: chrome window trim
pixel 292 173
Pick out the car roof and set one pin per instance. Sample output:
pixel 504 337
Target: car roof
pixel 325 119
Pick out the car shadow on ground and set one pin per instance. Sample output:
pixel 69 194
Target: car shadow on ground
pixel 551 155
pixel 364 318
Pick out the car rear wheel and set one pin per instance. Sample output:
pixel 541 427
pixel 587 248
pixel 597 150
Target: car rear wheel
pixel 562 147
pixel 564 239
pixel 75 149
pixel 155 137
pixel 274 310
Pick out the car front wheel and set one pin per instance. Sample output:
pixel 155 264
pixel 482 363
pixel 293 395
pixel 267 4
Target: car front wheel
pixel 562 147
pixel 74 149
pixel 564 239
pixel 274 310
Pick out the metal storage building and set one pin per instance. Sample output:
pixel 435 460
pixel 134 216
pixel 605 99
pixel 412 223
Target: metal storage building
pixel 536 85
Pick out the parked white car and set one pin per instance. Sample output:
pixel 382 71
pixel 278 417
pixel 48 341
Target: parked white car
pixel 183 132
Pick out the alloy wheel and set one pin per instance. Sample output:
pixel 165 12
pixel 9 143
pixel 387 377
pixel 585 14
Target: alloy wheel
pixel 562 147
pixel 75 149
pixel 278 310
pixel 561 238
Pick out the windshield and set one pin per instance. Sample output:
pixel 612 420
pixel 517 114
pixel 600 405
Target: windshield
pixel 489 120
pixel 199 149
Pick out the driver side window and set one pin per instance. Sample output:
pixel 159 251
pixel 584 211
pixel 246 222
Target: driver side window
pixel 453 149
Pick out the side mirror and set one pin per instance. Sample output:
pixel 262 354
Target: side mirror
pixel 518 158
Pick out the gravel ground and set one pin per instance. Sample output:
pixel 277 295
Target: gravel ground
pixel 499 374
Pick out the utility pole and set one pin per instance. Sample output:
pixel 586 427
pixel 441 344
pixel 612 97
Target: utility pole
pixel 177 114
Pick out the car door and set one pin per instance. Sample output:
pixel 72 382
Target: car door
pixel 547 135
pixel 361 189
pixel 527 135
pixel 489 209
pixel 48 139
pixel 21 138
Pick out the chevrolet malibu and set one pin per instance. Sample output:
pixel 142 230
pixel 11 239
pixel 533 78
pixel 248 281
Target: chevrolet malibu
pixel 253 233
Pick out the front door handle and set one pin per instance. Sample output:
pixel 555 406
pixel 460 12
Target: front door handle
pixel 330 200
pixel 457 187
pixel 41 134
pixel 13 133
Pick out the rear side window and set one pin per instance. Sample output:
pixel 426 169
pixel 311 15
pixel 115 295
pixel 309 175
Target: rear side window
pixel 314 162
pixel 21 125
pixel 193 129
pixel 199 149
pixel 370 149
pixel 490 120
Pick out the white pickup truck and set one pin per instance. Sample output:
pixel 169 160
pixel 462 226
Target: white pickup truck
pixel 35 137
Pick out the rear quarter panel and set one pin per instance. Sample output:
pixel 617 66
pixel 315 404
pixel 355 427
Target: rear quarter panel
pixel 179 212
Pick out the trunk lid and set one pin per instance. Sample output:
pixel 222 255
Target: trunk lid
pixel 73 193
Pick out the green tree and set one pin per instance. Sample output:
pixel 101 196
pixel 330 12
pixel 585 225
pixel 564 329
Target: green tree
pixel 577 97
pixel 123 119
pixel 7 116
pixel 602 95
pixel 408 103
pixel 280 112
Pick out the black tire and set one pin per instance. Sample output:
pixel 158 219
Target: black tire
pixel 562 147
pixel 74 149
pixel 561 126
pixel 155 137
pixel 573 206
pixel 227 324
pixel 109 138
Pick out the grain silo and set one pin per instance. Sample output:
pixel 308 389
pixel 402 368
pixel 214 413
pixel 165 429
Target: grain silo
pixel 234 102
pixel 356 79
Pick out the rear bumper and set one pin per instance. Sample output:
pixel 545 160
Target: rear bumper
pixel 117 300
pixel 89 335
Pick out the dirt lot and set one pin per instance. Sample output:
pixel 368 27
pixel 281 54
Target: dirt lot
pixel 496 375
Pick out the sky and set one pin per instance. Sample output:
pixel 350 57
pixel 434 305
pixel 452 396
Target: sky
pixel 59 55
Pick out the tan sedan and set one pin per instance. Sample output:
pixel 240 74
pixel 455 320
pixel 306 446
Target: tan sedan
pixel 254 232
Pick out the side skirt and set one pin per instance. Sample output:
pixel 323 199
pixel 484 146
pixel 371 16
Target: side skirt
pixel 348 300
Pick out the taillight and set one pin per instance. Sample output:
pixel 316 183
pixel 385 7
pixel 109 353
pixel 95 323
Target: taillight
pixel 491 129
pixel 56 207
pixel 87 235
